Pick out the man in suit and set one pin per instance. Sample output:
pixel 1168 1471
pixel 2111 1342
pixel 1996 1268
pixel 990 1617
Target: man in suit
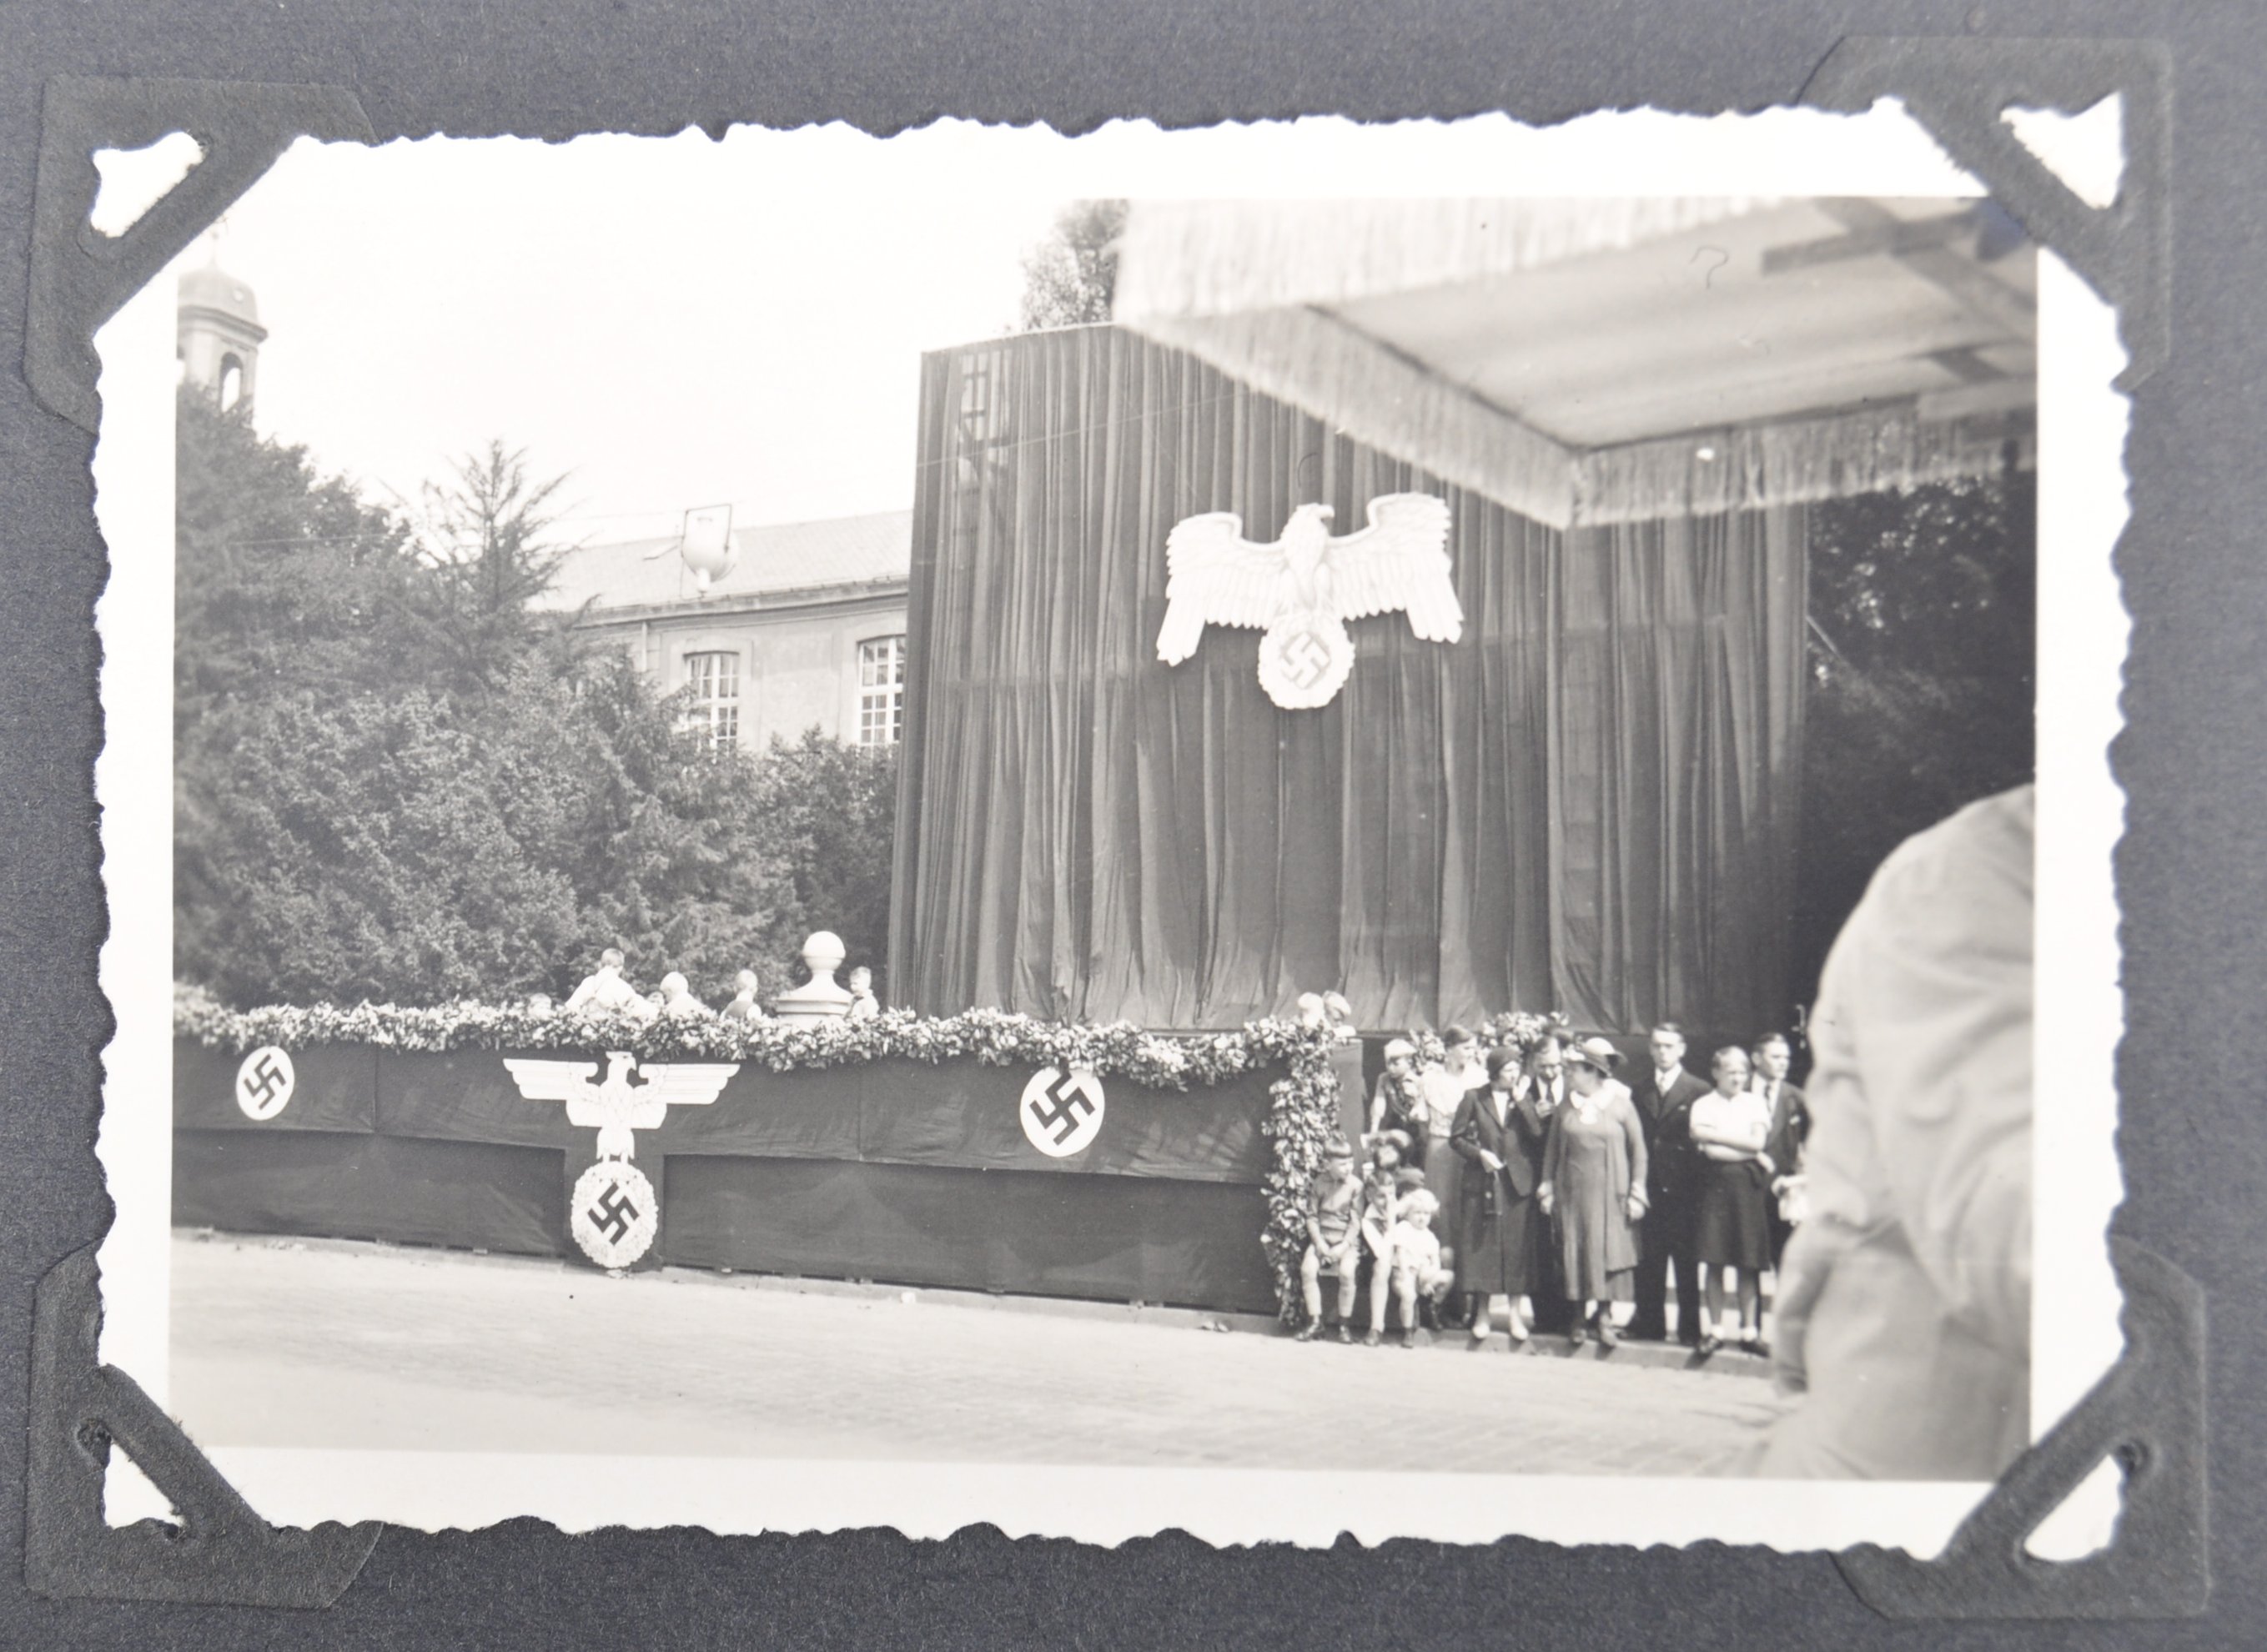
pixel 1543 1081
pixel 1543 1087
pixel 1790 1125
pixel 1664 1104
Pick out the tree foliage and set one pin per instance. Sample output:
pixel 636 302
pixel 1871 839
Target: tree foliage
pixel 396 781
pixel 826 814
pixel 488 546
pixel 284 580
pixel 1922 659
pixel 1072 277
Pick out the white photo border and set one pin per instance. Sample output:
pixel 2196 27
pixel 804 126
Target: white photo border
pixel 2082 634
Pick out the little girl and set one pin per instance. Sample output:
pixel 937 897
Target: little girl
pixel 1417 1269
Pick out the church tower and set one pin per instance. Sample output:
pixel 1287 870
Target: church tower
pixel 218 334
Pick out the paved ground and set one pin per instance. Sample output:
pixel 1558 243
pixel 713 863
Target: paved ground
pixel 277 1342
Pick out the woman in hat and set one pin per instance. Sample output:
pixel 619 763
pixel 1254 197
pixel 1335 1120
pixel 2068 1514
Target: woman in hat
pixel 1594 1189
pixel 1499 1134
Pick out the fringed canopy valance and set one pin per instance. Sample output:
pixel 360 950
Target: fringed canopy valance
pixel 1797 462
pixel 1357 386
pixel 1598 362
pixel 1215 257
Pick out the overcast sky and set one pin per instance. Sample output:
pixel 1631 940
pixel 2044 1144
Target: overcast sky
pixel 673 322
pixel 680 322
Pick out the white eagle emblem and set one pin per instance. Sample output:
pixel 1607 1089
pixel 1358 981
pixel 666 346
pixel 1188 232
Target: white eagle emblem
pixel 613 1103
pixel 1303 589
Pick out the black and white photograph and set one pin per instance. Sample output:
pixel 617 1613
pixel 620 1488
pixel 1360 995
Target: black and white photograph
pixel 1279 830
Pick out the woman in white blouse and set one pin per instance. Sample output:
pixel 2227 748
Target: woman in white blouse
pixel 1444 1086
pixel 1731 1216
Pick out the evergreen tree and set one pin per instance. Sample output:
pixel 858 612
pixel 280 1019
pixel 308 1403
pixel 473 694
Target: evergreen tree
pixel 283 580
pixel 1072 277
pixel 395 780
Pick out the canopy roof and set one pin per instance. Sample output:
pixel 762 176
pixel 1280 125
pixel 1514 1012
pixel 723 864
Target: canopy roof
pixel 1601 360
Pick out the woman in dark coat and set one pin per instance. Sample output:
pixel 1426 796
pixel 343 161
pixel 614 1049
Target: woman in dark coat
pixel 1500 1136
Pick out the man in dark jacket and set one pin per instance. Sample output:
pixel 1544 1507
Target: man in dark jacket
pixel 1664 1100
pixel 1790 1126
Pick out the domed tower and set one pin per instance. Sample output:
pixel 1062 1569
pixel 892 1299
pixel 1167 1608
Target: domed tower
pixel 219 333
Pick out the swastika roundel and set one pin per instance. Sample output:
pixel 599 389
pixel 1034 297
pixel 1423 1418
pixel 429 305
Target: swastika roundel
pixel 265 1081
pixel 1061 1112
pixel 614 1213
pixel 1304 658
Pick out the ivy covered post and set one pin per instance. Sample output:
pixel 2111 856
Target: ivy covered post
pixel 1301 1117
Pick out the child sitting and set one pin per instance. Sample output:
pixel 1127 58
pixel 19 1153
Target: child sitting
pixel 1333 1240
pixel 1418 1270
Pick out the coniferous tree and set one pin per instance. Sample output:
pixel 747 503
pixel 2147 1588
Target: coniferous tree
pixel 397 779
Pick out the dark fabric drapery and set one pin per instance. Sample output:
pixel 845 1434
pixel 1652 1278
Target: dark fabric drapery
pixel 1087 834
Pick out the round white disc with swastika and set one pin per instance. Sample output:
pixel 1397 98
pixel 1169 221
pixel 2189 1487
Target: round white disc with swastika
pixel 1304 657
pixel 614 1213
pixel 1061 1113
pixel 265 1081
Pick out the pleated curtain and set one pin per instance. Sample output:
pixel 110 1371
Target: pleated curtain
pixel 1585 804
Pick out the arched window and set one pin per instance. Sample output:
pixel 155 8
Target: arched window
pixel 232 380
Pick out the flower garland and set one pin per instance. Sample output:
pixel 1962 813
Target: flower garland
pixel 1302 1113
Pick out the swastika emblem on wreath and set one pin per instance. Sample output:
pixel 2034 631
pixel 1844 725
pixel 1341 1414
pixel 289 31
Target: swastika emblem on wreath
pixel 1061 1113
pixel 265 1081
pixel 614 1213
pixel 1304 660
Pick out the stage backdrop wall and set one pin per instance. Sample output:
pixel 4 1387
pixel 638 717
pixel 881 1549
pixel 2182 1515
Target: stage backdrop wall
pixel 1588 803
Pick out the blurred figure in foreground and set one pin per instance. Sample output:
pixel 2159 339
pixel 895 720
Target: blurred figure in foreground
pixel 1902 1322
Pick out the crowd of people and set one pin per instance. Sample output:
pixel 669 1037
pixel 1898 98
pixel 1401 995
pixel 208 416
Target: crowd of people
pixel 1572 1198
pixel 607 988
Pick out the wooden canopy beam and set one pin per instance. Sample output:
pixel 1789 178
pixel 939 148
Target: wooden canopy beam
pixel 1966 366
pixel 1895 239
pixel 1984 296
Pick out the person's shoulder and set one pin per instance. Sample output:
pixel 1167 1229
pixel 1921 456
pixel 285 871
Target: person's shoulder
pixel 1977 849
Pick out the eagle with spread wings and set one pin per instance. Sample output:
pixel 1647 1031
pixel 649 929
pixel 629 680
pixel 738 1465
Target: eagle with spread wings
pixel 1301 589
pixel 613 1103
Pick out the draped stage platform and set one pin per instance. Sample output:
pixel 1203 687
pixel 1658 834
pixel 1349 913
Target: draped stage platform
pixel 888 1170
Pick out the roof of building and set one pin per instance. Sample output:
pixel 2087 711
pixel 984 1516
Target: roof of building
pixel 214 289
pixel 776 557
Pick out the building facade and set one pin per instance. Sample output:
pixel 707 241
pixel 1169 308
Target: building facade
pixel 805 630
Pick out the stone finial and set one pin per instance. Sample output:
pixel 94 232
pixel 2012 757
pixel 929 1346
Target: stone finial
pixel 820 997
